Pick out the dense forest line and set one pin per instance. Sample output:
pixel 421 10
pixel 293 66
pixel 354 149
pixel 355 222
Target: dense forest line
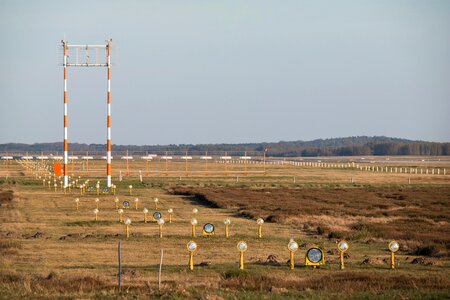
pixel 348 146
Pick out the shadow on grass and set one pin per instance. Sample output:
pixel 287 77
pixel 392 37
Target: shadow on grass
pixel 90 223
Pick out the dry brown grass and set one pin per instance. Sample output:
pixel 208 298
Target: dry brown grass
pixel 414 214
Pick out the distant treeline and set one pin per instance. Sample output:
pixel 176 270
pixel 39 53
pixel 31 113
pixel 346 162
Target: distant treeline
pixel 349 146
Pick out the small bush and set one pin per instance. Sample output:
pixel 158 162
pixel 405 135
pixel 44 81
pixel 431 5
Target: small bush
pixel 335 235
pixel 320 230
pixel 427 250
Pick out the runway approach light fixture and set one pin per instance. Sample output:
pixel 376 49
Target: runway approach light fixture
pixel 208 229
pixel 156 216
pixel 136 201
pixel 342 247
pixel 127 224
pixel 96 213
pixel 292 247
pixel 193 223
pixel 393 247
pixel 242 247
pixel 120 212
pixel 260 222
pixel 160 223
pixel 96 202
pixel 227 223
pixel 116 201
pixel 156 203
pixel 314 257
pixel 77 201
pixel 145 211
pixel 170 211
pixel 194 213
pixel 191 246
pixel 130 187
pixel 125 204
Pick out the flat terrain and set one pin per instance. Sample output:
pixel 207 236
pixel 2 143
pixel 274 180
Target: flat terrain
pixel 51 250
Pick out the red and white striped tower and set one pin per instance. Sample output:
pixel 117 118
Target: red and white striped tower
pixel 66 145
pixel 108 141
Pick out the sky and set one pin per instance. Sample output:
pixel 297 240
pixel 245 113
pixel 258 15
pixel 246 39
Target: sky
pixel 189 72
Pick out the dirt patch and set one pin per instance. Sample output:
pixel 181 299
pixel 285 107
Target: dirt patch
pixel 6 198
pixel 37 235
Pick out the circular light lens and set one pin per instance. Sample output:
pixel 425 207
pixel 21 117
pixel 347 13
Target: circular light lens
pixel 77 200
pixel 394 246
pixel 120 211
pixel 227 222
pixel 136 199
pixel 156 215
pixel 293 246
pixel 145 211
pixel 127 222
pixel 195 210
pixel 314 255
pixel 343 246
pixel 192 246
pixel 170 210
pixel 194 221
pixel 95 211
pixel 242 246
pixel 130 186
pixel 208 228
pixel 97 200
pixel 156 199
pixel 126 203
pixel 260 221
pixel 160 221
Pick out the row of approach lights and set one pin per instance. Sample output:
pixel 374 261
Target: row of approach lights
pixel 156 215
pixel 314 256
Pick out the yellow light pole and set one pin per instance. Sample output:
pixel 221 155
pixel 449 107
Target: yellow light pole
pixel 191 246
pixel 131 189
pixel 97 186
pixel 127 224
pixel 114 189
pixel 96 202
pixel 194 213
pixel 160 223
pixel 193 223
pixel 136 201
pixel 55 186
pixel 96 213
pixel 120 212
pixel 227 222
pixel 116 201
pixel 260 222
pixel 292 247
pixel 242 247
pixel 43 182
pixel 170 211
pixel 48 182
pixel 77 202
pixel 342 247
pixel 156 203
pixel 145 211
pixel 393 247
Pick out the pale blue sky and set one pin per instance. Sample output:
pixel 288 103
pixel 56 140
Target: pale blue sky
pixel 228 71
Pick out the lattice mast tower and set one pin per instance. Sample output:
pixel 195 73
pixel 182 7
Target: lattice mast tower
pixel 79 56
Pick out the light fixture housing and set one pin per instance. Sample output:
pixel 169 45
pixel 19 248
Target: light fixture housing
pixel 314 257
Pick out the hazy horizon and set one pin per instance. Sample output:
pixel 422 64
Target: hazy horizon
pixel 200 72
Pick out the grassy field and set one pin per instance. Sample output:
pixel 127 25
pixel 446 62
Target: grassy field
pixel 51 250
